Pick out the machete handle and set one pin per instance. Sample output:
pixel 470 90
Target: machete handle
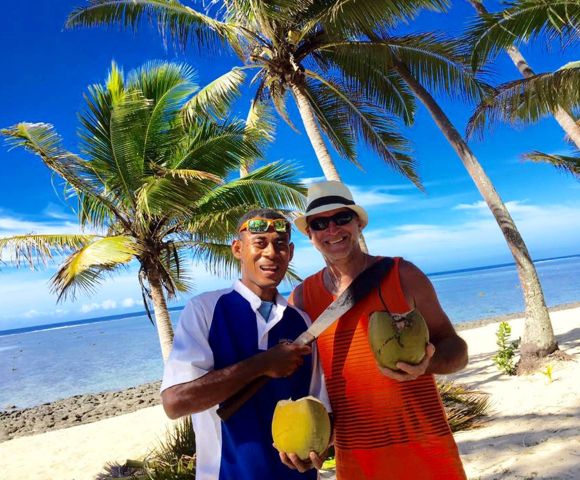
pixel 233 404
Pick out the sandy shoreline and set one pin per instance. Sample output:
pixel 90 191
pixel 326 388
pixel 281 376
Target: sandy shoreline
pixel 533 431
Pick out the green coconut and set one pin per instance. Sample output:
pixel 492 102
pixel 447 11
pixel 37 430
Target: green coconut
pixel 301 427
pixel 398 338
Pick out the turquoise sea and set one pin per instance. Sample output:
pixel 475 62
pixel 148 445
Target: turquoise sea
pixel 38 366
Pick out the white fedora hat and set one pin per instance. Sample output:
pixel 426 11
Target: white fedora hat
pixel 326 196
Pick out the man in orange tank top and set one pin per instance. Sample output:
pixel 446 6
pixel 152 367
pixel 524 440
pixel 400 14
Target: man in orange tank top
pixel 387 423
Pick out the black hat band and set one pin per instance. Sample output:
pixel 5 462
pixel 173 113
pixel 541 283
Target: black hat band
pixel 331 199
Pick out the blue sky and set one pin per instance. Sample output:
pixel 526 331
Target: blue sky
pixel 47 69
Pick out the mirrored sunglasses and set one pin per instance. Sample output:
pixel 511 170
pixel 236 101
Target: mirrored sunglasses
pixel 339 219
pixel 261 225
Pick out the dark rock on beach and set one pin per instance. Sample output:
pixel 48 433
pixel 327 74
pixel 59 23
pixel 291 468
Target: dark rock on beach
pixel 76 411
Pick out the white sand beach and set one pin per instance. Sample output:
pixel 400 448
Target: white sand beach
pixel 533 430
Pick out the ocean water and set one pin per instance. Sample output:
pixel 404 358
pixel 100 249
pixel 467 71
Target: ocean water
pixel 46 365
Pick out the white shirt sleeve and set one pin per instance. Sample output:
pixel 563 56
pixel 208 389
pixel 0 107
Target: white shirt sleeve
pixel 191 356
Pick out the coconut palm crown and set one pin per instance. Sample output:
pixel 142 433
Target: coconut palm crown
pixel 537 95
pixel 151 185
pixel 303 49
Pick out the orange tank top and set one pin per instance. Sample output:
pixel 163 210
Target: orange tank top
pixel 384 429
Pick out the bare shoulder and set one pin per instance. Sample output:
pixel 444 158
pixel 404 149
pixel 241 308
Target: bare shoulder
pixel 414 282
pixel 421 295
pixel 297 297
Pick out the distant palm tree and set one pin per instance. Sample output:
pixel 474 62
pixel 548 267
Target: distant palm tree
pixel 302 48
pixel 150 185
pixel 540 95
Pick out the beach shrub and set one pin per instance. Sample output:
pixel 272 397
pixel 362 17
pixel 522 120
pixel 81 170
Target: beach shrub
pixel 173 459
pixel 505 356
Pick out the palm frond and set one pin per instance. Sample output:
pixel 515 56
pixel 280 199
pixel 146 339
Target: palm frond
pixel 32 249
pixel 372 80
pixel 278 96
pixel 376 130
pixel 84 267
pixel 465 408
pixel 332 115
pixel 174 20
pixel 42 140
pixel 166 88
pixel 566 163
pixel 261 127
pixel 173 277
pixel 217 258
pixel 260 121
pixel 356 18
pixel 215 148
pixel 217 97
pixel 439 64
pixel 528 100
pixel 271 186
pixel 213 223
pixel 523 21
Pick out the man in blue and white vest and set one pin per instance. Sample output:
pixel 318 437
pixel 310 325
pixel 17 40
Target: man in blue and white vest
pixel 227 338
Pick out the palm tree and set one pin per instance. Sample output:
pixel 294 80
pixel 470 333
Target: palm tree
pixel 524 20
pixel 424 62
pixel 150 186
pixel 307 48
pixel 289 45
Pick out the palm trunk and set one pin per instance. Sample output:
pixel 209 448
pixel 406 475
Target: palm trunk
pixel 162 318
pixel 538 338
pixel 317 142
pixel 313 132
pixel 565 120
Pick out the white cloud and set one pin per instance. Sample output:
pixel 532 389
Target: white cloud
pixel 480 205
pixel 128 302
pixel 108 304
pixel 515 206
pixel 15 226
pixel 58 211
pixel 89 307
pixel 371 197
pixel 469 241
pixel 309 180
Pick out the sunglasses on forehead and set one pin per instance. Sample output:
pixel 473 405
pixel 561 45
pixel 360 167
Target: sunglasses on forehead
pixel 339 219
pixel 261 225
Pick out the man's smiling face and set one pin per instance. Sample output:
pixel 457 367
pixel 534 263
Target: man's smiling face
pixel 264 259
pixel 335 242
